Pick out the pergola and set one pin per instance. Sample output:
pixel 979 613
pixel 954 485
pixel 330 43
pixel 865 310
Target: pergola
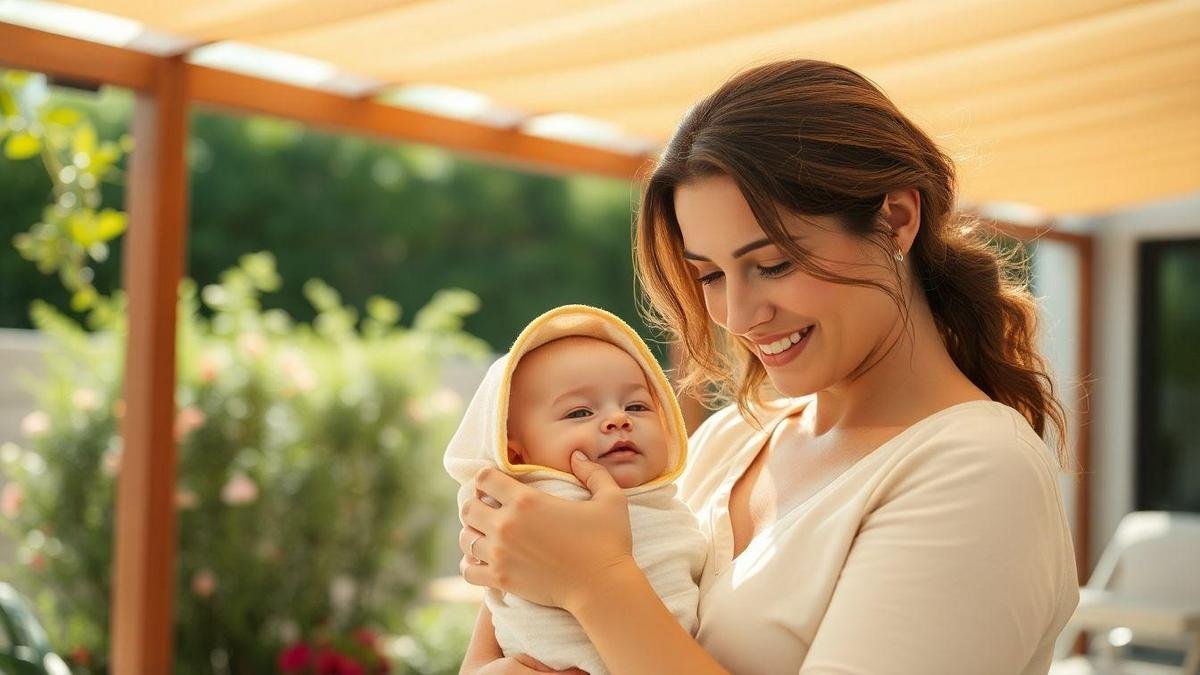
pixel 1070 107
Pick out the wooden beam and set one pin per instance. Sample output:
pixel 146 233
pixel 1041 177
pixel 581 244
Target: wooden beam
pixel 142 620
pixel 71 58
pixel 1084 248
pixel 251 94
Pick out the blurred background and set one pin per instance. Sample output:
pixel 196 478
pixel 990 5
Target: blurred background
pixel 370 199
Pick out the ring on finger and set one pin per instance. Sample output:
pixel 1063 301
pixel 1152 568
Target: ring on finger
pixel 471 548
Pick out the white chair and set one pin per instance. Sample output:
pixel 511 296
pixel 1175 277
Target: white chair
pixel 1145 590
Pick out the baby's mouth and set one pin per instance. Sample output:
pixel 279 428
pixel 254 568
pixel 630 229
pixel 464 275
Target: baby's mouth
pixel 621 449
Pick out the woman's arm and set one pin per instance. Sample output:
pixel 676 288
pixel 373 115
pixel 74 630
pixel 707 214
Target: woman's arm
pixel 483 648
pixel 577 556
pixel 634 632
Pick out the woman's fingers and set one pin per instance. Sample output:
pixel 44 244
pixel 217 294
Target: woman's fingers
pixel 597 478
pixel 471 547
pixel 504 488
pixel 483 518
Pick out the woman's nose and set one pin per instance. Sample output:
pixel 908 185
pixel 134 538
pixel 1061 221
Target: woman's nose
pixel 743 309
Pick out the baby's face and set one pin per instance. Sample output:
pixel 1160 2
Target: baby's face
pixel 579 393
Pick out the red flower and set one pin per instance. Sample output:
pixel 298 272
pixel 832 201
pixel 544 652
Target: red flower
pixel 351 667
pixel 327 662
pixel 295 658
pixel 81 656
pixel 365 637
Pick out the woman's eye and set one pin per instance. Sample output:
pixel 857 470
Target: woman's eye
pixel 775 270
pixel 572 415
pixel 766 272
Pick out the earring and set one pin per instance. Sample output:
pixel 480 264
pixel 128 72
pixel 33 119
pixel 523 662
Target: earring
pixel 899 256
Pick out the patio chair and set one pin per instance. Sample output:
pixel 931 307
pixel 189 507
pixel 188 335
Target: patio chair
pixel 24 649
pixel 1145 590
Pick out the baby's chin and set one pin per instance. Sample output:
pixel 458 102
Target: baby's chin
pixel 628 475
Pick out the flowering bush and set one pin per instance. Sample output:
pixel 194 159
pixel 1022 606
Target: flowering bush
pixel 359 655
pixel 309 489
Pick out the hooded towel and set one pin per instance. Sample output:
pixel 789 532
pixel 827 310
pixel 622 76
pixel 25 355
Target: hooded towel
pixel 667 544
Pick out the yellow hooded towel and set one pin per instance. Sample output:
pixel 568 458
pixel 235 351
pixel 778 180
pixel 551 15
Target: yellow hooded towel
pixel 667 543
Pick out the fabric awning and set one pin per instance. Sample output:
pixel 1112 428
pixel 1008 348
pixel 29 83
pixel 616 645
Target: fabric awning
pixel 1068 106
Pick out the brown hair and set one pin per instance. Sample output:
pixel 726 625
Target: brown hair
pixel 813 138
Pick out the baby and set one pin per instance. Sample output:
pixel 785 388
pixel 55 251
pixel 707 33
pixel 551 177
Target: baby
pixel 579 378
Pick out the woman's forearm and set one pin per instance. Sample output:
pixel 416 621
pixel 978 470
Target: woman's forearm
pixel 483 648
pixel 634 632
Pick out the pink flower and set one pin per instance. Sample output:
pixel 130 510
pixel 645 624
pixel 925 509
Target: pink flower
pixel 204 583
pixel 185 499
pixel 445 401
pixel 112 461
pixel 85 399
pixel 35 424
pixel 10 500
pixel 211 366
pixel 295 658
pixel 300 377
pixel 239 490
pixel 188 420
pixel 252 344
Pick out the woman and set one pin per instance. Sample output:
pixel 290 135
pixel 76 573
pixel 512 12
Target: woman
pixel 897 511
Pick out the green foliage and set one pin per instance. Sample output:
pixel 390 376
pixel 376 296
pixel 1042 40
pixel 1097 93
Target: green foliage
pixel 310 486
pixel 369 217
pixel 73 232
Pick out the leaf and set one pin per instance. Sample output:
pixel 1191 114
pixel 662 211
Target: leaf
pixel 260 268
pixel 109 225
pixel 81 226
pixel 383 310
pixel 8 106
pixel 63 116
pixel 85 140
pixel 16 78
pixel 22 145
pixel 83 299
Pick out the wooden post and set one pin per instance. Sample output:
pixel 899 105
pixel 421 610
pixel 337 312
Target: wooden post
pixel 142 620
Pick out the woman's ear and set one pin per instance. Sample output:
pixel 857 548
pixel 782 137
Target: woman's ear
pixel 901 210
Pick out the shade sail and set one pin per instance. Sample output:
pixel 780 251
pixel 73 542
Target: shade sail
pixel 1069 106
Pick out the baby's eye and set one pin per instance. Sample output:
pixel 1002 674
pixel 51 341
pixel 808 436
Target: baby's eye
pixel 572 415
pixel 641 406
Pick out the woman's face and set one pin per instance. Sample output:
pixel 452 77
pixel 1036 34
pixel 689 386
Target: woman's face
pixel 752 289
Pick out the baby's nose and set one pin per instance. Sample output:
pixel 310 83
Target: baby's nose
pixel 618 421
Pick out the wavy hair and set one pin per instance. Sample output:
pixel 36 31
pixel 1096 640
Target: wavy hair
pixel 818 139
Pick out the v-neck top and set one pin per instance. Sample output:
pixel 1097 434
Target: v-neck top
pixel 944 550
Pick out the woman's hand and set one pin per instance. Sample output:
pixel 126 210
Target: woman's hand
pixel 522 664
pixel 544 549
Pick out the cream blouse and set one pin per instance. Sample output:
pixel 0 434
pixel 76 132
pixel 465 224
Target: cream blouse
pixel 945 550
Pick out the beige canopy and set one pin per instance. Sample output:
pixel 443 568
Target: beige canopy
pixel 1068 106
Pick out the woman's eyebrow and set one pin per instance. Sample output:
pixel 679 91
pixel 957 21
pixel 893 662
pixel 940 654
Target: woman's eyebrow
pixel 736 254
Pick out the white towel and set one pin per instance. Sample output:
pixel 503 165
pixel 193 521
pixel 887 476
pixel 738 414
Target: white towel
pixel 667 543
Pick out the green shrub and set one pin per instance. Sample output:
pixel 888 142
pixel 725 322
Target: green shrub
pixel 310 489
